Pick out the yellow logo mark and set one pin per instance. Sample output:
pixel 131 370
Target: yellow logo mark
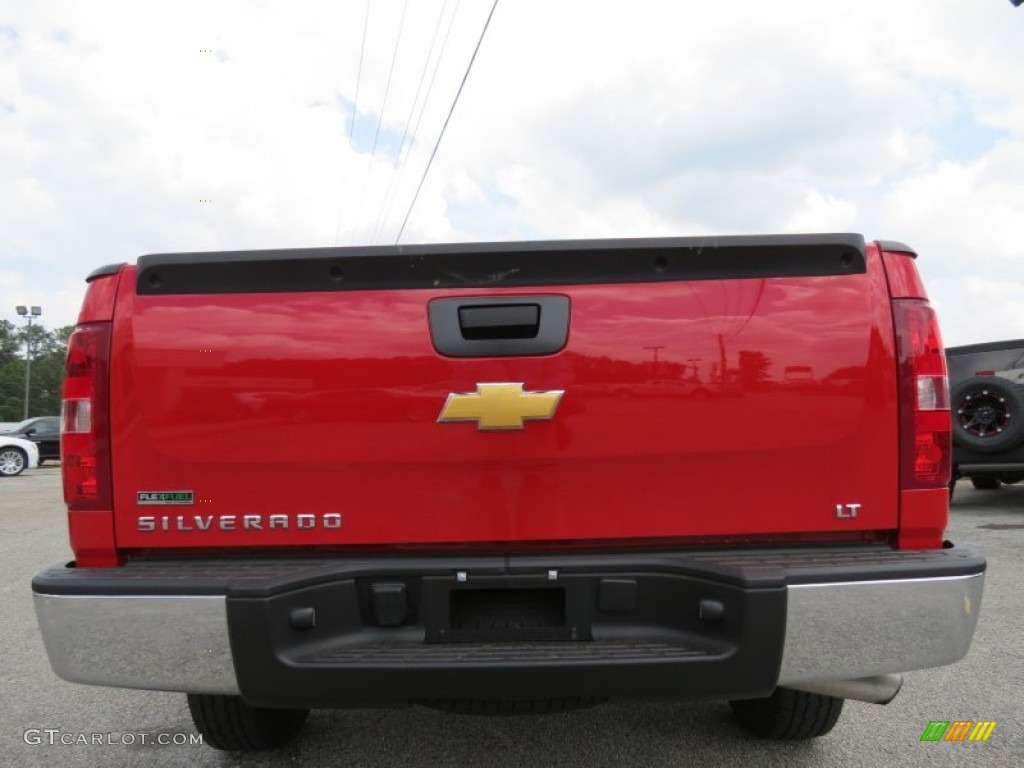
pixel 500 406
pixel 982 730
pixel 958 730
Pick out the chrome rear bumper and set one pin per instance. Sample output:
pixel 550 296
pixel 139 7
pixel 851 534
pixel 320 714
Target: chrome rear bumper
pixel 162 643
pixel 866 628
pixel 834 630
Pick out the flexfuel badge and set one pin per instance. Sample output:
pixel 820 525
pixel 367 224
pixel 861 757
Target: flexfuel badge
pixel 164 498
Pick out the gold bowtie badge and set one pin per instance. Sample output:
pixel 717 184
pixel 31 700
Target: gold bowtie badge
pixel 500 406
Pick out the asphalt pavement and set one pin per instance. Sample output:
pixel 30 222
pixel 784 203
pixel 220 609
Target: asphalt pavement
pixel 49 722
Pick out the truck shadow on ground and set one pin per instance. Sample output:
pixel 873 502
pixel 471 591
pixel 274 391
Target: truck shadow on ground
pixel 1006 498
pixel 649 734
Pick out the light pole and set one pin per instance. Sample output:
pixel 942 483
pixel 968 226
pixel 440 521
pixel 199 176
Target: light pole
pixel 30 314
pixel 655 351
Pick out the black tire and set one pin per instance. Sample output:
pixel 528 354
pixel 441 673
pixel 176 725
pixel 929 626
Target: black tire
pixel 985 482
pixel 227 722
pixel 13 461
pixel 988 414
pixel 512 706
pixel 788 714
pixel 1011 478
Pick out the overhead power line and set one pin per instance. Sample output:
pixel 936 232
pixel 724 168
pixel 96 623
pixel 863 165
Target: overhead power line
pixel 402 155
pixel 380 119
pixel 433 74
pixel 352 122
pixel 391 73
pixel 444 127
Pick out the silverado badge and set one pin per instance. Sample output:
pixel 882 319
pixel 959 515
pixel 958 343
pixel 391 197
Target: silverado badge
pixel 500 406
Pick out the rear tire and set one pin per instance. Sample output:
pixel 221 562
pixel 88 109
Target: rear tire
pixel 12 461
pixel 227 722
pixel 788 714
pixel 986 482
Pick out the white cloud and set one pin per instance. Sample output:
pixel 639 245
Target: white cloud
pixel 823 212
pixel 965 307
pixel 580 119
pixel 967 223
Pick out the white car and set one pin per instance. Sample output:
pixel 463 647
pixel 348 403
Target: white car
pixel 17 455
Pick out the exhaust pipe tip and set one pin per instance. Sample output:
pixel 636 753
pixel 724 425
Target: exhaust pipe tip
pixel 880 689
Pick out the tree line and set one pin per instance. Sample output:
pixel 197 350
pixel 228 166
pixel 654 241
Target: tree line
pixel 47 349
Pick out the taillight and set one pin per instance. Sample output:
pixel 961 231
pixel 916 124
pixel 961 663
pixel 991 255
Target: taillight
pixel 85 432
pixel 925 432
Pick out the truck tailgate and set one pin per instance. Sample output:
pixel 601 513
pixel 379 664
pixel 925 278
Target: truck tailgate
pixel 694 404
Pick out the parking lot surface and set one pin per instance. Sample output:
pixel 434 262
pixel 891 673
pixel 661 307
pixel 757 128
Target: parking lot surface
pixel 39 708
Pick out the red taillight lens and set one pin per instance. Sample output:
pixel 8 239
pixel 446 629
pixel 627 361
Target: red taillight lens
pixel 925 448
pixel 85 437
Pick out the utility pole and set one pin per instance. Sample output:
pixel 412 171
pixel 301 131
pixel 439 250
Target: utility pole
pixel 694 363
pixel 29 314
pixel 722 359
pixel 655 351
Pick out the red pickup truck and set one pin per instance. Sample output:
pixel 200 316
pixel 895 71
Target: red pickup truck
pixel 509 477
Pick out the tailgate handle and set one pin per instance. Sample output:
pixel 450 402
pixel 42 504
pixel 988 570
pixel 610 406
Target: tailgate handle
pixel 505 326
pixel 500 321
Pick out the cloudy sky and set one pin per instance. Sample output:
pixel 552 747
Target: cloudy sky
pixel 137 127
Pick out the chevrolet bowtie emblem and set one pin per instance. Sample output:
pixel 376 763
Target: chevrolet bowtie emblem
pixel 500 406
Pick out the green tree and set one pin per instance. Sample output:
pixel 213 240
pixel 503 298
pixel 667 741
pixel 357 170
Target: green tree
pixel 48 351
pixel 753 367
pixel 8 342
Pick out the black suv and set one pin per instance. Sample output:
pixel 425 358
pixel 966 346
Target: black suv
pixel 986 383
pixel 44 431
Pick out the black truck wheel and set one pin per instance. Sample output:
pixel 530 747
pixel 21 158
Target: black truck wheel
pixel 227 722
pixel 988 414
pixel 985 482
pixel 788 714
